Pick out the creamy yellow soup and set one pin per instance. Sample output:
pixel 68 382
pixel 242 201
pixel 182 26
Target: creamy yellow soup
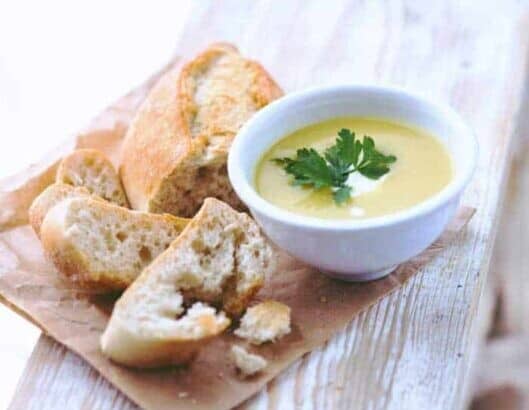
pixel 423 168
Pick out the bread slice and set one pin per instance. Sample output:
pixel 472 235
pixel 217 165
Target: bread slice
pixel 104 246
pixel 50 197
pixel 247 363
pixel 91 169
pixel 265 322
pixel 148 328
pixel 175 151
pixel 83 173
pixel 220 257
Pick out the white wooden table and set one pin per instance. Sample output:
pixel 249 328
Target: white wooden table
pixel 412 350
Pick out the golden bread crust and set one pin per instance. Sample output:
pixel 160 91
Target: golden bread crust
pixel 175 151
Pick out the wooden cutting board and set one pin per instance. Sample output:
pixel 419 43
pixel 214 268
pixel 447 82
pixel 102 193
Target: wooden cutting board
pixel 414 348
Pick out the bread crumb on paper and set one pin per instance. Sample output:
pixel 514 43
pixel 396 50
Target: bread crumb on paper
pixel 247 363
pixel 265 322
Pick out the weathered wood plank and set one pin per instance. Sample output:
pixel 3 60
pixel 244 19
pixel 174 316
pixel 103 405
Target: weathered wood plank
pixel 411 350
pixel 75 385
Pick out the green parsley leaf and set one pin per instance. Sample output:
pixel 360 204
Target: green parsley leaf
pixel 342 194
pixel 348 146
pixel 348 155
pixel 374 164
pixel 308 168
pixel 374 171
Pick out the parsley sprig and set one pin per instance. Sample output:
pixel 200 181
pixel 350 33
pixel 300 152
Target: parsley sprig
pixel 309 168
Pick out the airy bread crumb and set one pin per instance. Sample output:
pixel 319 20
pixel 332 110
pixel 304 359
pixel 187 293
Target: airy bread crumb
pixel 50 197
pixel 265 322
pixel 220 258
pixel 103 246
pixel 91 169
pixel 248 363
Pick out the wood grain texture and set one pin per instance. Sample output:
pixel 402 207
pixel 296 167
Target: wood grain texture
pixel 77 386
pixel 413 349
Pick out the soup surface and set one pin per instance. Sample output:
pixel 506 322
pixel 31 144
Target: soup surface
pixel 423 168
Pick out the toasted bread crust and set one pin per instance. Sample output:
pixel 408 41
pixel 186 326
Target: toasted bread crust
pixel 174 154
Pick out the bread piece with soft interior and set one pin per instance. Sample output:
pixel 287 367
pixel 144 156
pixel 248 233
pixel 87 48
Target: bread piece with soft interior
pixel 50 197
pixel 91 169
pixel 247 363
pixel 267 321
pixel 220 258
pixel 104 246
pixel 158 332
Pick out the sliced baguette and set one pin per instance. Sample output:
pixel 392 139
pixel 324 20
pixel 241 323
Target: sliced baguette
pixel 265 322
pixel 175 151
pixel 91 169
pixel 150 329
pixel 50 197
pixel 104 246
pixel 219 258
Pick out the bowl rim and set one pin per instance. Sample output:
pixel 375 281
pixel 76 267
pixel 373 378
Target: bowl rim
pixel 243 186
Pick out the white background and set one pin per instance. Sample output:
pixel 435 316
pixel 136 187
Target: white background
pixel 61 62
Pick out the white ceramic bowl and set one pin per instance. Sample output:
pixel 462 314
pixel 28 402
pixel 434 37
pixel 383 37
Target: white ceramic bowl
pixel 355 250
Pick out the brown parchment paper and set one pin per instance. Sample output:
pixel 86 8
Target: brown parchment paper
pixel 30 285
